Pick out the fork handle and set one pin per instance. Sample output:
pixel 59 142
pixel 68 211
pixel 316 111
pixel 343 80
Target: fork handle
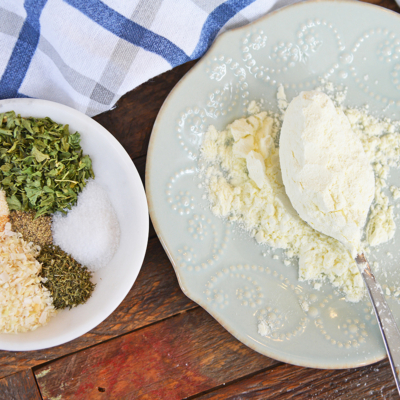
pixel 387 324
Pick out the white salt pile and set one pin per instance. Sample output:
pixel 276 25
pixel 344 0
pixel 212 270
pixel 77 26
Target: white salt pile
pixel 90 231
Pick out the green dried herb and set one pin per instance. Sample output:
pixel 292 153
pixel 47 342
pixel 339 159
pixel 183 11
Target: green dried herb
pixel 68 281
pixel 42 166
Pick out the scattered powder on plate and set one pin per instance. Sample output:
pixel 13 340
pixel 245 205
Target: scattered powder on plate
pixel 381 141
pixel 395 192
pixel 241 171
pixel 265 327
pixel 24 303
pixel 90 231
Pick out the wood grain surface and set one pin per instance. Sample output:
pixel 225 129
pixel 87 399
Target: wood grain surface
pixel 154 296
pixel 158 344
pixel 174 359
pixel 20 386
pixel 140 164
pixel 292 382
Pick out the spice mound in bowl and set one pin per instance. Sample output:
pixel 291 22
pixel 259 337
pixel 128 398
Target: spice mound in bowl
pixel 36 230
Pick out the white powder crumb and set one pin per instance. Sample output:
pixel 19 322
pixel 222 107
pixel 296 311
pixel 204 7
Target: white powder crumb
pixel 329 87
pixel 305 306
pixel 267 324
pixel 281 97
pixel 90 231
pixel 340 97
pixel 387 291
pixel 253 108
pixel 287 262
pixel 381 226
pixel 264 328
pixel 275 257
pixel 336 93
pixel 395 192
pixel 317 285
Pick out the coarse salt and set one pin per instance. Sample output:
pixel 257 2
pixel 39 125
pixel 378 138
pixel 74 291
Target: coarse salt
pixel 90 231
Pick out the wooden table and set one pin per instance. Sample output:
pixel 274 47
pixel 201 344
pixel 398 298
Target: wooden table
pixel 158 344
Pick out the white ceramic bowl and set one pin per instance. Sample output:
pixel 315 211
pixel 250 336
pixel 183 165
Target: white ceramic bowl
pixel 115 172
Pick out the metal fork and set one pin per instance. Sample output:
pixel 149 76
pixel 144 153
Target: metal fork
pixel 387 324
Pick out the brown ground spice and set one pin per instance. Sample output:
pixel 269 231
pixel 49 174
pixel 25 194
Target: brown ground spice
pixel 33 230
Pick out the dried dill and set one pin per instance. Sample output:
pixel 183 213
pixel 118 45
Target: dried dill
pixel 68 281
pixel 36 230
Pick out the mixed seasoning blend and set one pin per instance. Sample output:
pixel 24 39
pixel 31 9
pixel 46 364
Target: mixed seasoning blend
pixel 42 171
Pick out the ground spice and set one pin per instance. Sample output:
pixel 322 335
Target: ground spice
pixel 36 230
pixel 68 281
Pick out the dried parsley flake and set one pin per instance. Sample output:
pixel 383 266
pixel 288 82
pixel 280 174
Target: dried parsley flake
pixel 68 281
pixel 42 166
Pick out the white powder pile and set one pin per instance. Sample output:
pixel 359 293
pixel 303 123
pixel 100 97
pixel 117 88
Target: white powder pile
pixel 90 231
pixel 326 172
pixel 241 170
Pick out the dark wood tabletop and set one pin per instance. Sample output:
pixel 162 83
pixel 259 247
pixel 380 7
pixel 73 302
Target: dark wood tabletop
pixel 158 344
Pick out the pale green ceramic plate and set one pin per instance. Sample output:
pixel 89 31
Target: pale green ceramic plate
pixel 218 266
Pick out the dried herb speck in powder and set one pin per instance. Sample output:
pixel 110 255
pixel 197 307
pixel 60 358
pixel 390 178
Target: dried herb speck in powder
pixel 68 281
pixel 36 230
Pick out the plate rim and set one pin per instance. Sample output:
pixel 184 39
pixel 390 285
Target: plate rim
pixel 150 199
pixel 143 204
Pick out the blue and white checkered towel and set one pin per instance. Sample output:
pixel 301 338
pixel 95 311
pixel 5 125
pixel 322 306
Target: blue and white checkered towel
pixel 88 53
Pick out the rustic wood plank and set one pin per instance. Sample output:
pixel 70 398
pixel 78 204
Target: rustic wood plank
pixel 292 382
pixel 390 4
pixel 156 295
pixel 132 120
pixel 20 386
pixel 140 164
pixel 173 359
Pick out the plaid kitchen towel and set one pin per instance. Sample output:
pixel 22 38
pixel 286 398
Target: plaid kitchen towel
pixel 88 53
